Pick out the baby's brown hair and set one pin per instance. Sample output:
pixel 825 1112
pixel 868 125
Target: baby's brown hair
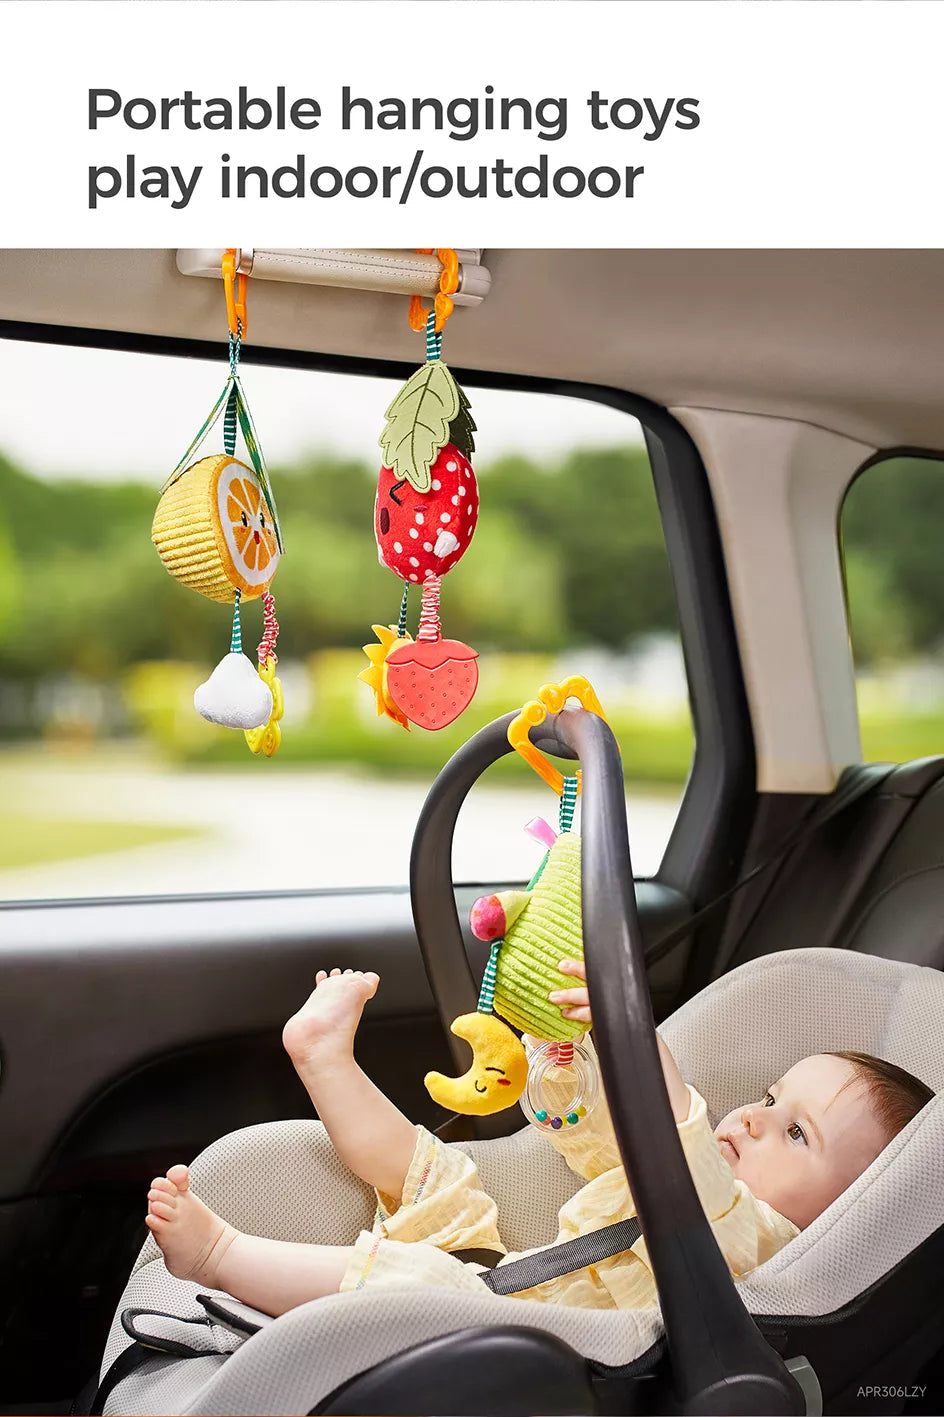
pixel 895 1095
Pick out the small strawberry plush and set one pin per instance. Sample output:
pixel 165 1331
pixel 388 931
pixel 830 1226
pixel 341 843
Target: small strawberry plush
pixel 422 534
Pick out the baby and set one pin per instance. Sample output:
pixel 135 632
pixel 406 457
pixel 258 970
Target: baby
pixel 768 1170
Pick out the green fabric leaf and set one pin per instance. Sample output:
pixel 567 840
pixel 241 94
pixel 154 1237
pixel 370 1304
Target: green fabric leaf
pixel 462 427
pixel 418 423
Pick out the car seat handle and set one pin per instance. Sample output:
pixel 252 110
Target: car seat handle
pixel 720 1361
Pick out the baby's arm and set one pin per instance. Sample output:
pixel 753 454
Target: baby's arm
pixel 575 1004
pixel 748 1230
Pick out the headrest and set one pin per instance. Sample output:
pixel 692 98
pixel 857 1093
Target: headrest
pixel 748 1027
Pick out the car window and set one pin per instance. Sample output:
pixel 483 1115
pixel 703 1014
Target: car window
pixel 113 785
pixel 891 540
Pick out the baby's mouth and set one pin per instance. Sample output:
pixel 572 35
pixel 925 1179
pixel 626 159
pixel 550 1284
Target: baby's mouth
pixel 728 1148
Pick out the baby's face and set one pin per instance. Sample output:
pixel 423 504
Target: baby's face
pixel 806 1140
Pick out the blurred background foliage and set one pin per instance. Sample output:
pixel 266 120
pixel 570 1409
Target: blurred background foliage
pixel 568 559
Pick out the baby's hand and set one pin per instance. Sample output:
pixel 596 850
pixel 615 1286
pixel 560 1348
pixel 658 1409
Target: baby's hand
pixel 574 1003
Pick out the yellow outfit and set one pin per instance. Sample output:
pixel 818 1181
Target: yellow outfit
pixel 444 1208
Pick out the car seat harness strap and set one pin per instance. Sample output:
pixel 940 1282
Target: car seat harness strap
pixel 556 1260
pixel 146 1346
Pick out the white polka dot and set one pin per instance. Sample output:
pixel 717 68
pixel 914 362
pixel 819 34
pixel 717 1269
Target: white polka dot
pixel 397 547
pixel 413 578
pixel 445 519
pixel 452 466
pixel 413 561
pixel 461 491
pixel 427 546
pixel 455 501
pixel 420 519
pixel 436 484
pixel 413 532
pixel 469 509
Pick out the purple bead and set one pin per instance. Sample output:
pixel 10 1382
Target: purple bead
pixel 556 1123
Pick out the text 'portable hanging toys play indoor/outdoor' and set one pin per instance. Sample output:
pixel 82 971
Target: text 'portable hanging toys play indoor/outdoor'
pixel 424 516
pixel 217 530
pixel 531 931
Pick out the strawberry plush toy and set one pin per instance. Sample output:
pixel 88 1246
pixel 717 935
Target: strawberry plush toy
pixel 424 516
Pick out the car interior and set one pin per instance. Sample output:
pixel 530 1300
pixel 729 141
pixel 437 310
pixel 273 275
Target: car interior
pixel 796 906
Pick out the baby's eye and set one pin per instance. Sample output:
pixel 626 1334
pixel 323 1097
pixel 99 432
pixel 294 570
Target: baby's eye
pixel 768 1099
pixel 795 1132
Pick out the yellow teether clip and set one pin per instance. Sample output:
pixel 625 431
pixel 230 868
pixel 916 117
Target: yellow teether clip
pixel 267 738
pixel 551 699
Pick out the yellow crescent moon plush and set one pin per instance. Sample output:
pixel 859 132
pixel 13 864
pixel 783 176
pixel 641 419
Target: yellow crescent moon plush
pixel 214 531
pixel 498 1073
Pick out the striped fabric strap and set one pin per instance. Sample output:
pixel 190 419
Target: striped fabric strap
pixel 208 423
pixel 233 400
pixel 568 803
pixel 433 340
pixel 236 643
pixel 487 991
pixel 229 422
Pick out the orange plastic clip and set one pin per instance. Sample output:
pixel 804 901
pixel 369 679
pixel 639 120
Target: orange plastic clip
pixel 234 287
pixel 448 285
pixel 551 699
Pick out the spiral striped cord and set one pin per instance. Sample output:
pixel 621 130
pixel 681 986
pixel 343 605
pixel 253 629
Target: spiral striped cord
pixel 401 623
pixel 270 630
pixel 430 628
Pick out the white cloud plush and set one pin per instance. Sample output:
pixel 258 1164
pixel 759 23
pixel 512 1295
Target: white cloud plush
pixel 234 695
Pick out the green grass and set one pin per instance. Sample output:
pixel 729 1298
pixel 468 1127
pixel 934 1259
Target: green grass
pixel 33 841
pixel 897 738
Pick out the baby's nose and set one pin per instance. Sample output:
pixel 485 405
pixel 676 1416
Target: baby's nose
pixel 750 1121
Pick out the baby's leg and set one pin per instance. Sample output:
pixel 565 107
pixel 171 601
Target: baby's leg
pixel 271 1275
pixel 369 1133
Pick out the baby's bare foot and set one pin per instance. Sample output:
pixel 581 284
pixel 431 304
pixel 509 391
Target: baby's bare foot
pixel 193 1239
pixel 323 1029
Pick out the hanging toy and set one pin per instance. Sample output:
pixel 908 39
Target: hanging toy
pixel 531 931
pixel 424 516
pixel 217 530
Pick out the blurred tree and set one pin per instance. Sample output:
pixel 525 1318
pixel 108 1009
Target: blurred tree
pixel 564 554
pixel 892 517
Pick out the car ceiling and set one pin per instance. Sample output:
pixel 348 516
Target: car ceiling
pixel 851 341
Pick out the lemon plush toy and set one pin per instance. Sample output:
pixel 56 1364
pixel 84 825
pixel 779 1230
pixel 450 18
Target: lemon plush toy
pixel 216 530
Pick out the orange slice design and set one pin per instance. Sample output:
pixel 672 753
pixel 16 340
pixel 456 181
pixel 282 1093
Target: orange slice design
pixel 255 544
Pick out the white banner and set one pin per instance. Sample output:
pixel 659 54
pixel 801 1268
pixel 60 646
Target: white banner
pixel 528 122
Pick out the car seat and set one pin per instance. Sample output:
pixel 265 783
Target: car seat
pixel 284 1180
pixel 857 1294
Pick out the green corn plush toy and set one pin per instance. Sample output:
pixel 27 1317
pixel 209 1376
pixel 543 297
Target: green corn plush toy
pixel 540 927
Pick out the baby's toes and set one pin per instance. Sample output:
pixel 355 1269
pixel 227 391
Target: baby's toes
pixel 179 1177
pixel 321 976
pixel 334 973
pixel 163 1209
pixel 164 1187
